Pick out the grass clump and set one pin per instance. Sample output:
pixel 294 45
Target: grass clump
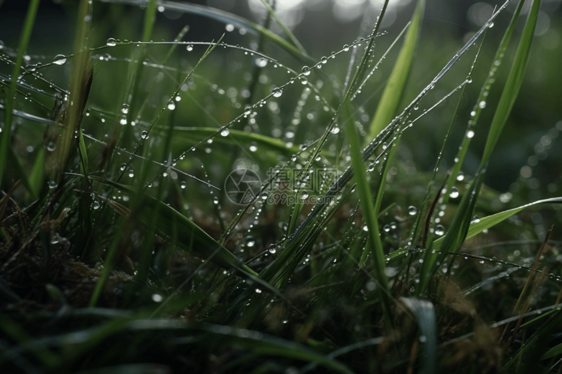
pixel 217 212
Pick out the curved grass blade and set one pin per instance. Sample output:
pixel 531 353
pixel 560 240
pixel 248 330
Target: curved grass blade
pixel 242 137
pixel 228 18
pixel 513 84
pixel 370 217
pixel 10 96
pixel 490 221
pixel 394 90
pixel 80 84
pixel 424 312
pixel 172 224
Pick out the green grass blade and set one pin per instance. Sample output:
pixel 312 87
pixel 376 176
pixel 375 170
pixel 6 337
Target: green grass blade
pixel 490 221
pixel 9 102
pixel 80 84
pixel 554 351
pixel 424 312
pixel 388 104
pixel 83 152
pixel 37 175
pixel 373 239
pixel 149 18
pixel 236 136
pixel 513 84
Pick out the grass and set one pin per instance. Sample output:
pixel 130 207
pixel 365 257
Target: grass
pixel 130 243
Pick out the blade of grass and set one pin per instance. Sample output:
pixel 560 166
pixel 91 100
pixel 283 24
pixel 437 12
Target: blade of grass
pixel 424 312
pixel 370 218
pixel 9 102
pixel 80 84
pixel 490 221
pixel 243 137
pixel 513 84
pixel 388 104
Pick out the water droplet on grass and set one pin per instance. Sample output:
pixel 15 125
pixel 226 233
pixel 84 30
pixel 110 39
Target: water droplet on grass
pixel 439 230
pixel 277 92
pixel 454 193
pixel 250 241
pixel 189 47
pixel 111 42
pixel 412 210
pixel 470 134
pixel 59 60
pixel 260 62
pixel 229 27
pixel 171 106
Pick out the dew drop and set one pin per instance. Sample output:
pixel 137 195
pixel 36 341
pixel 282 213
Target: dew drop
pixel 412 210
pixel 454 193
pixel 229 27
pixel 225 132
pixel 171 106
pixel 59 60
pixel 470 134
pixel 277 92
pixel 250 241
pixel 439 230
pixel 189 47
pixel 111 42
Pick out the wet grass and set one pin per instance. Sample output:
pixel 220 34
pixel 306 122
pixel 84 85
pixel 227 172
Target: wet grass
pixel 205 206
